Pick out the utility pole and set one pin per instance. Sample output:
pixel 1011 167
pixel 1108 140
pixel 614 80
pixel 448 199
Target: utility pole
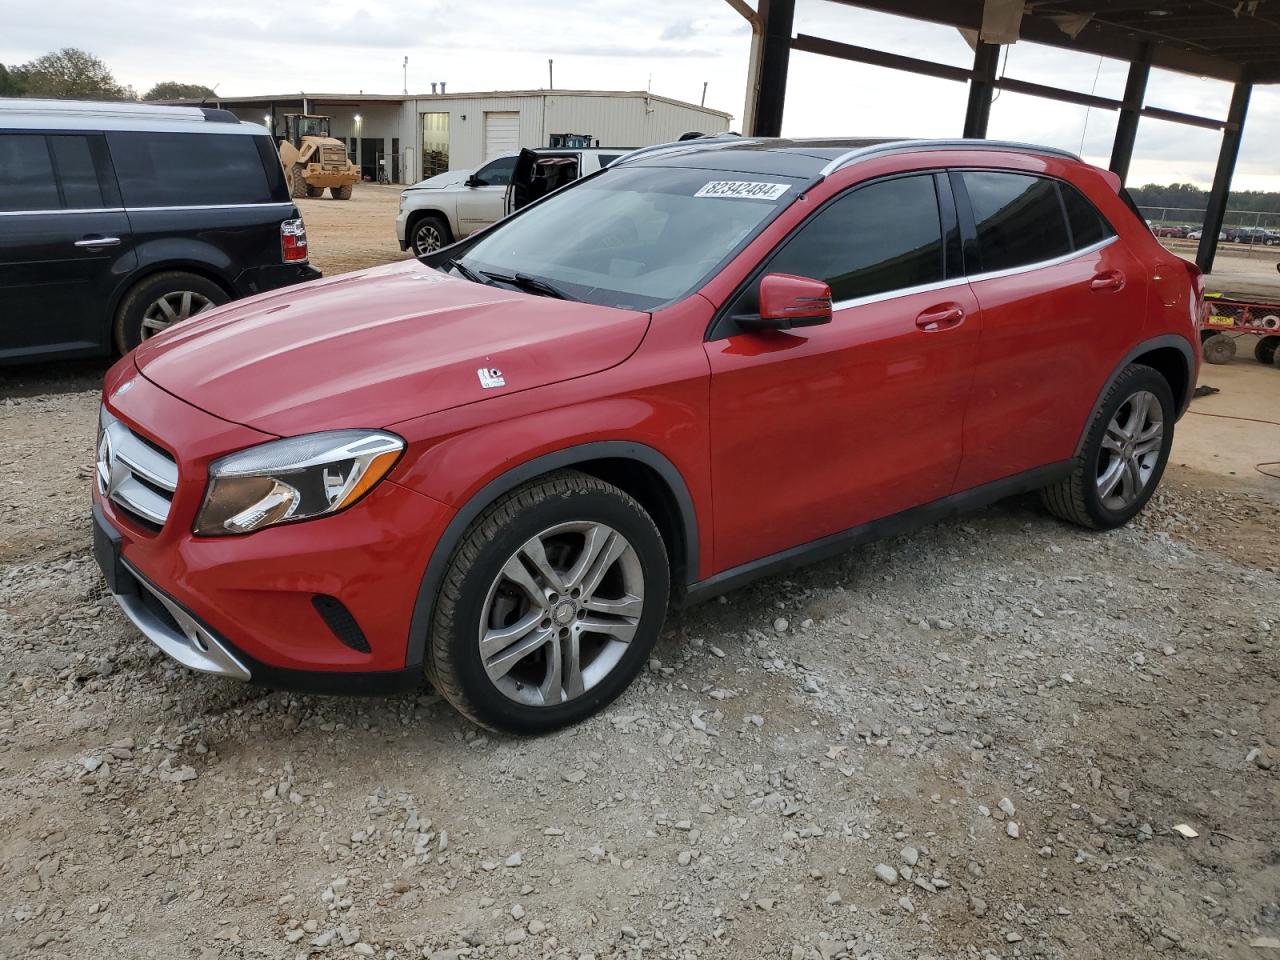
pixel 406 76
pixel 551 74
pixel 703 102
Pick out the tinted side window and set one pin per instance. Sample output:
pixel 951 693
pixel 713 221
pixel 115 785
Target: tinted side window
pixel 880 237
pixel 77 174
pixel 1019 220
pixel 188 169
pixel 498 173
pixel 1088 226
pixel 607 158
pixel 26 173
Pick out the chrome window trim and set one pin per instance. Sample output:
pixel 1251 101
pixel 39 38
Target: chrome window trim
pixel 957 281
pixel 193 206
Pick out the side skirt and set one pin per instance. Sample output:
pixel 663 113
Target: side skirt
pixel 885 527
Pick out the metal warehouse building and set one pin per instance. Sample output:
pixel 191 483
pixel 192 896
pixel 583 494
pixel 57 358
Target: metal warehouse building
pixel 411 137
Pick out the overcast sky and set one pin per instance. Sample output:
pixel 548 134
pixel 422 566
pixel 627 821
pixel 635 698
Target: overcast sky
pixel 247 47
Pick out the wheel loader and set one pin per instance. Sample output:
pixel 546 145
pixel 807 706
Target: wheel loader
pixel 314 160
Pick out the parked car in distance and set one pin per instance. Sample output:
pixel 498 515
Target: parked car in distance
pixel 117 220
pixel 1198 233
pixel 436 212
pixel 705 364
pixel 1170 230
pixel 1252 235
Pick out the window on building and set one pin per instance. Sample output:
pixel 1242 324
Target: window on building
pixel 435 144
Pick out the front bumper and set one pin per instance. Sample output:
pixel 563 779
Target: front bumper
pixel 402 222
pixel 253 607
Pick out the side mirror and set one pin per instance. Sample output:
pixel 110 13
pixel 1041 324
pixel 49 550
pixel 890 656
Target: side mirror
pixel 788 301
pixel 473 181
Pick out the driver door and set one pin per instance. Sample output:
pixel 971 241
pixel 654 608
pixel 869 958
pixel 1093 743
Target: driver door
pixel 482 201
pixel 816 430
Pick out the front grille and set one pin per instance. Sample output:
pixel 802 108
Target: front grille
pixel 134 473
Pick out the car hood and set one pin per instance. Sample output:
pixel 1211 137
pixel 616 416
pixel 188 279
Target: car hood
pixel 371 348
pixel 441 180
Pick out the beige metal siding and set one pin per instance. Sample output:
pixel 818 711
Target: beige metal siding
pixel 626 121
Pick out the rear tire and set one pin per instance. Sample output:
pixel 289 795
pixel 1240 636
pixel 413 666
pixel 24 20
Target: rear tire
pixel 341 193
pixel 1219 349
pixel 161 300
pixel 300 188
pixel 1264 351
pixel 429 234
pixel 551 605
pixel 1123 456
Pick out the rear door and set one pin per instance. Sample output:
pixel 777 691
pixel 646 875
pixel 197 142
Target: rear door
pixel 213 199
pixel 64 244
pixel 820 429
pixel 1062 299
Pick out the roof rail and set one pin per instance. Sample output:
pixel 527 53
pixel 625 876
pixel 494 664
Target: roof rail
pixel 679 145
pixel 912 146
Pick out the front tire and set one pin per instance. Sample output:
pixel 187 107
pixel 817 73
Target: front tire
pixel 341 193
pixel 551 605
pixel 1123 456
pixel 161 300
pixel 428 235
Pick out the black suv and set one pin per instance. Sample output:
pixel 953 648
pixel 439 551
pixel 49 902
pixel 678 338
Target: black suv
pixel 117 220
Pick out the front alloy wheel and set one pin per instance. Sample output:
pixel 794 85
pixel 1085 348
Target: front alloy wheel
pixel 550 606
pixel 428 237
pixel 560 613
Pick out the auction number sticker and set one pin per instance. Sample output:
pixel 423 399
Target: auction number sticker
pixel 742 189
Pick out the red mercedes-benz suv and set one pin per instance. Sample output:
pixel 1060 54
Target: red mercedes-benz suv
pixel 711 361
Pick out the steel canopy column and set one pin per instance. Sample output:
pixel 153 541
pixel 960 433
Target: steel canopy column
pixel 1135 91
pixel 1221 189
pixel 778 20
pixel 981 87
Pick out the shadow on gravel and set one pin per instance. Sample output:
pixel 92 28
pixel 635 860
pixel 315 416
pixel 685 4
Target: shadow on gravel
pixel 57 377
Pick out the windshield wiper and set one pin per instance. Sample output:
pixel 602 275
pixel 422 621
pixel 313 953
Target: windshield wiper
pixel 533 284
pixel 466 272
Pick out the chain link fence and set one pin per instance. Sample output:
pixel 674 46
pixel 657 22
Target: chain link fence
pixel 1238 226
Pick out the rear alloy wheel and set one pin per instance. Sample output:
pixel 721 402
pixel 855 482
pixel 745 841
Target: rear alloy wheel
pixel 1123 455
pixel 160 301
pixel 550 606
pixel 429 235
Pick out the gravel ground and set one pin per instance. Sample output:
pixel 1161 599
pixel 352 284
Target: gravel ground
pixel 971 742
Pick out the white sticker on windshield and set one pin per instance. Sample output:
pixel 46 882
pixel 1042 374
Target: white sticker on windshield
pixel 742 189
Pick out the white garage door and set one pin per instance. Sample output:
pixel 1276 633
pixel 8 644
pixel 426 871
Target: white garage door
pixel 501 134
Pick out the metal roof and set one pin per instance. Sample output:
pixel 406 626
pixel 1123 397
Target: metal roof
pixel 1225 39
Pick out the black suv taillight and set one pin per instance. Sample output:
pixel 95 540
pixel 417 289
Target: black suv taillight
pixel 293 241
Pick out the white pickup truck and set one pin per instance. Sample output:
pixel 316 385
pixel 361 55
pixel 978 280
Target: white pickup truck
pixel 437 211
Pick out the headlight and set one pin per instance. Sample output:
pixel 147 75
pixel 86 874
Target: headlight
pixel 294 479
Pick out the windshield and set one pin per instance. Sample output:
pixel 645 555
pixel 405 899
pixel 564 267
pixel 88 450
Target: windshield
pixel 637 237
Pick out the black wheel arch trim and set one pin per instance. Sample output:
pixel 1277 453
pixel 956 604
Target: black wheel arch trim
pixel 1181 344
pixel 442 553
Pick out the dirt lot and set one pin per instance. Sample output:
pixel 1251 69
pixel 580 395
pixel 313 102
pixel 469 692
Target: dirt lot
pixel 1002 716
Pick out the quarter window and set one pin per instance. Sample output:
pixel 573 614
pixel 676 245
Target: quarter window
pixel 26 174
pixel 188 169
pixel 1019 220
pixel 880 237
pixel 1087 225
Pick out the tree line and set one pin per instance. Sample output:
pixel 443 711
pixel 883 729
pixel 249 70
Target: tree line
pixel 1190 196
pixel 71 74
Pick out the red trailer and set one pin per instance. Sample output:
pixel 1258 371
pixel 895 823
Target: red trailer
pixel 1228 319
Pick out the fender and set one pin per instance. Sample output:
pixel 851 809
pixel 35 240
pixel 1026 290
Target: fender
pixel 1181 344
pixel 424 605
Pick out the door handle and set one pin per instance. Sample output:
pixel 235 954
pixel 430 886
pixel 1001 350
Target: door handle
pixel 1110 280
pixel 96 243
pixel 942 317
